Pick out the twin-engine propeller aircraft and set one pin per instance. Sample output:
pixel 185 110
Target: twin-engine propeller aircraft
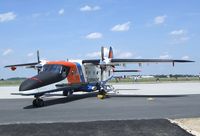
pixel 76 75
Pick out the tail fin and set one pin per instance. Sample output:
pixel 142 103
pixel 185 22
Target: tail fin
pixel 110 54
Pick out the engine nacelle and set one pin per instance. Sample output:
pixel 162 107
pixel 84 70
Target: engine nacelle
pixel 13 68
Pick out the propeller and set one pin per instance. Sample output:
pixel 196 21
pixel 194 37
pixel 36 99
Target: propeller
pixel 103 63
pixel 38 56
pixel 102 53
pixel 38 64
pixel 38 59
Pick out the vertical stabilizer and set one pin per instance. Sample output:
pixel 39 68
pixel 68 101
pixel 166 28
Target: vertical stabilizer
pixel 110 54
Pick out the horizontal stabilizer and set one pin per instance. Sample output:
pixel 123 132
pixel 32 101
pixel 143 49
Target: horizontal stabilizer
pixel 126 71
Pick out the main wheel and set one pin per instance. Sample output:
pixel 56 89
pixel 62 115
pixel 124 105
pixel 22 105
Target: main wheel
pixel 38 103
pixel 67 93
pixel 70 92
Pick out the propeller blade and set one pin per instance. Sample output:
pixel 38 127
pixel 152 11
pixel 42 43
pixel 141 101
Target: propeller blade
pixel 101 74
pixel 102 53
pixel 38 56
pixel 38 59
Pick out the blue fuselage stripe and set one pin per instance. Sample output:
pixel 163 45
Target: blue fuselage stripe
pixel 80 72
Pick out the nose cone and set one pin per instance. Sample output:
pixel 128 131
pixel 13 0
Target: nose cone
pixel 29 84
pixel 40 80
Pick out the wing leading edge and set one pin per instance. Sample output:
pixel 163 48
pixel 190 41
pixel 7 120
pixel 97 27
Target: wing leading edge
pixel 21 65
pixel 147 61
pixel 122 61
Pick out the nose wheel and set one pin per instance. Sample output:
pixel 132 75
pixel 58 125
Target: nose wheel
pixel 38 102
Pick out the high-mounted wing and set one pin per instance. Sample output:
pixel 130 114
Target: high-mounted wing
pixel 146 60
pixel 93 61
pixel 20 65
pixel 117 62
pixel 114 61
pixel 140 61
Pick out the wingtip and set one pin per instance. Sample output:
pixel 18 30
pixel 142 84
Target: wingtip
pixel 184 61
pixel 189 61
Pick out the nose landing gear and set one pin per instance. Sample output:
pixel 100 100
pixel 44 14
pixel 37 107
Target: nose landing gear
pixel 38 102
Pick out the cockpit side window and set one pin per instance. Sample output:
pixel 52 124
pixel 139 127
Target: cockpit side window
pixel 65 71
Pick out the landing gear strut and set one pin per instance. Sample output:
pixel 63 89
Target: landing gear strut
pixel 38 102
pixel 67 93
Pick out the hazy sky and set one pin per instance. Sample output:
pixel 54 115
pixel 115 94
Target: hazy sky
pixel 76 29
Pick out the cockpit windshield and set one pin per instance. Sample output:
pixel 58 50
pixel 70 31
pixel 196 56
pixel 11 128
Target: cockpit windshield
pixel 63 70
pixel 52 68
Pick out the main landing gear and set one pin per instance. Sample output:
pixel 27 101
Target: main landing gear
pixel 104 90
pixel 38 102
pixel 67 93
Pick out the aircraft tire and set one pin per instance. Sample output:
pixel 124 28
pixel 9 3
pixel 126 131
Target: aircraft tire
pixel 38 103
pixel 70 93
pixel 65 93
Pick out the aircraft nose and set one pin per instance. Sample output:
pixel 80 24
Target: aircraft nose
pixel 30 83
pixel 40 80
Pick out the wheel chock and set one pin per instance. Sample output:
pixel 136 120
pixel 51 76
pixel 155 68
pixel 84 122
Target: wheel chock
pixel 100 96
